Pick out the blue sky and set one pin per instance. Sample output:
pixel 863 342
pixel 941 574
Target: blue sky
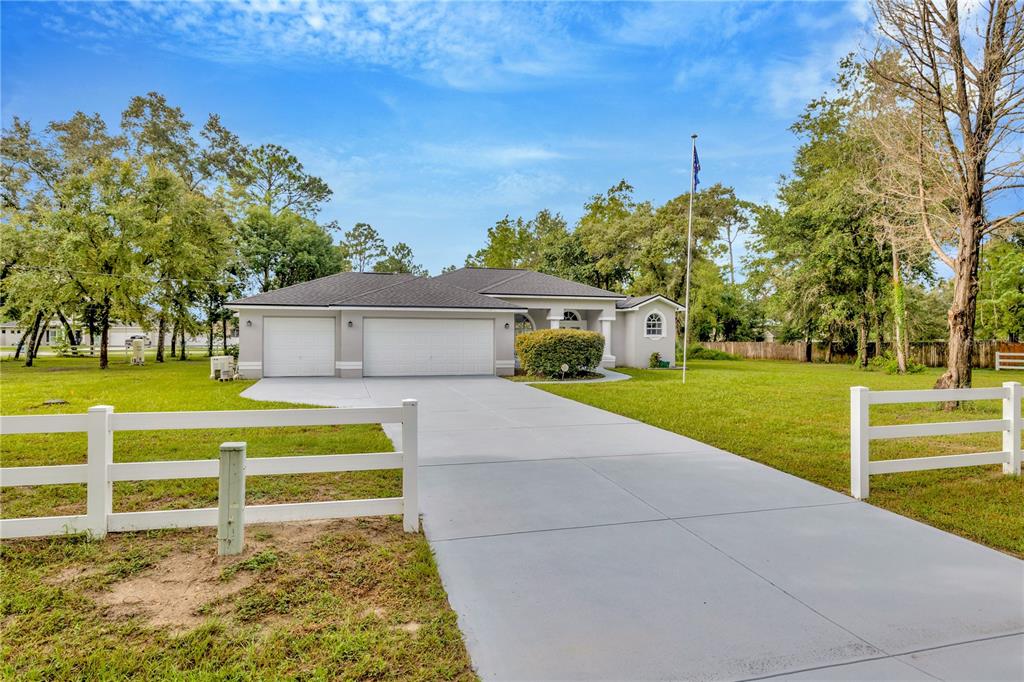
pixel 431 121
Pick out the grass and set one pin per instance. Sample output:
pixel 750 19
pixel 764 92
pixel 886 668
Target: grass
pixel 795 417
pixel 347 599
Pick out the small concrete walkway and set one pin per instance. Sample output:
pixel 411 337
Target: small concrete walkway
pixel 576 544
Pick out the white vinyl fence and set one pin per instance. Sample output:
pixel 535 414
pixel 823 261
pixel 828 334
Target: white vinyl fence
pixel 1009 360
pixel 100 471
pixel 862 433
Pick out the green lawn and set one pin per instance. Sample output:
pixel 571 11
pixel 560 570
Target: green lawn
pixel 795 417
pixel 349 599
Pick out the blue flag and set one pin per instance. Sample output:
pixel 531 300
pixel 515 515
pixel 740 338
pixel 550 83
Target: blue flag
pixel 696 168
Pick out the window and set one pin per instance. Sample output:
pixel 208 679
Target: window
pixel 654 325
pixel 523 324
pixel 571 316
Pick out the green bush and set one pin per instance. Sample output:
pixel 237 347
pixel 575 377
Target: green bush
pixel 544 351
pixel 702 353
pixel 655 360
pixel 887 363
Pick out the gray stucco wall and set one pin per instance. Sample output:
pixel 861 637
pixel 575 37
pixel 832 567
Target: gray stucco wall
pixel 348 341
pixel 636 347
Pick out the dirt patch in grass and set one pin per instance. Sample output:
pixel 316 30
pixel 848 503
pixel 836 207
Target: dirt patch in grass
pixel 170 594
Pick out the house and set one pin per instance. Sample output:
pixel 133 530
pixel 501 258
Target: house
pixel 355 324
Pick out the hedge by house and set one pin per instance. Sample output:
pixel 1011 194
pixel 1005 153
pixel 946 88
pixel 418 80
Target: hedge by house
pixel 544 351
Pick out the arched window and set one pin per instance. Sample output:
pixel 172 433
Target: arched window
pixel 523 324
pixel 655 325
pixel 571 316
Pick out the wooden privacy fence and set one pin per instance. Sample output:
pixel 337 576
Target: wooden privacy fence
pixel 862 433
pixel 1009 360
pixel 100 472
pixel 927 353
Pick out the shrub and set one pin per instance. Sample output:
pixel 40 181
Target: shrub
pixel 887 363
pixel 544 351
pixel 702 353
pixel 655 360
pixel 233 351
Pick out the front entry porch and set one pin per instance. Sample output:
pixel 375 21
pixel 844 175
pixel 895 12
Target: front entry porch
pixel 598 319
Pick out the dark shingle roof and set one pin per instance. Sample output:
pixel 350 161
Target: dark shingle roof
pixel 375 289
pixel 634 301
pixel 497 282
pixel 326 290
pixel 424 292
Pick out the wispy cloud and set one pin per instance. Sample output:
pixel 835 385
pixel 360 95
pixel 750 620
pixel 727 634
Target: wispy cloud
pixel 487 156
pixel 471 46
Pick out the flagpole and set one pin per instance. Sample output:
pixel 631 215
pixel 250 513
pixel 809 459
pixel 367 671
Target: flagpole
pixel 689 249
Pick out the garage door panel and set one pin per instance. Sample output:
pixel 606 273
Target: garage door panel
pixel 417 347
pixel 298 346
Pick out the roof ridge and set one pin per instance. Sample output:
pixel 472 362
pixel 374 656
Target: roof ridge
pixel 386 286
pixel 519 273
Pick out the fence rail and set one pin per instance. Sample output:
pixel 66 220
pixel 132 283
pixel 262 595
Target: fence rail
pixel 1005 360
pixel 862 433
pixel 927 353
pixel 100 472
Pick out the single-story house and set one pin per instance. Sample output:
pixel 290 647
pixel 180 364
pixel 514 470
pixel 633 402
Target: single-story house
pixel 356 324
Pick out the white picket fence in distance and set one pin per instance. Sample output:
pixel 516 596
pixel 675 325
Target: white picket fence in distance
pixel 1006 360
pixel 100 471
pixel 862 433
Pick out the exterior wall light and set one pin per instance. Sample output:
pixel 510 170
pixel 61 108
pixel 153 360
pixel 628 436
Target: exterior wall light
pixel 350 323
pixel 248 323
pixel 507 325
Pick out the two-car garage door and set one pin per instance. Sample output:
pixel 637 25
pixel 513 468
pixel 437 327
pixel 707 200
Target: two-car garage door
pixel 304 346
pixel 419 346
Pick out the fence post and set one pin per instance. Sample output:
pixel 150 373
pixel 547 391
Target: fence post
pixel 410 496
pixel 859 450
pixel 1011 436
pixel 231 499
pixel 100 490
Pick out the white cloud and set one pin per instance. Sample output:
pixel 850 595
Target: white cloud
pixel 473 46
pixel 487 156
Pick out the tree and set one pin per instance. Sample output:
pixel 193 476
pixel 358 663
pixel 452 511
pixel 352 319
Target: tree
pixel 399 259
pixel 1001 294
pixel 363 246
pixel 285 248
pixel 99 242
pixel 510 244
pixel 967 92
pixel 272 177
pixel 818 255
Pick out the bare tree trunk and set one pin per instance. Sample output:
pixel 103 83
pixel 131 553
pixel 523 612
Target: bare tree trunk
pixel 72 339
pixel 105 333
pixel 224 328
pixel 209 340
pixel 862 339
pixel 39 337
pixel 899 315
pixel 30 348
pixel 961 318
pixel 174 339
pixel 161 330
pixel 30 333
pixel 181 351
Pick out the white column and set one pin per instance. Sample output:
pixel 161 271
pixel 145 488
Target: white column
pixel 608 360
pixel 410 456
pixel 231 499
pixel 555 317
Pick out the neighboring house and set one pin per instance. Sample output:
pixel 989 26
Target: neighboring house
pixel 11 333
pixel 356 324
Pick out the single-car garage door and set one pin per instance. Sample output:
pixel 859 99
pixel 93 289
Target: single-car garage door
pixel 298 346
pixel 411 347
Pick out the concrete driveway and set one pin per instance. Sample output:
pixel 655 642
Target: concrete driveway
pixel 576 544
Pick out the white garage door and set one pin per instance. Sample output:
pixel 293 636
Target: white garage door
pixel 410 347
pixel 298 346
